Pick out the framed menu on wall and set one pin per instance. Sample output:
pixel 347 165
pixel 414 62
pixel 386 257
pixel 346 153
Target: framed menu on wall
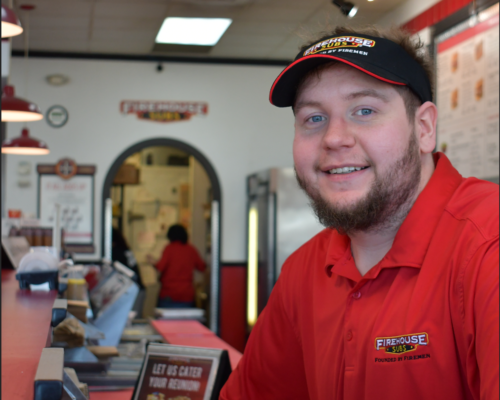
pixel 467 95
pixel 71 187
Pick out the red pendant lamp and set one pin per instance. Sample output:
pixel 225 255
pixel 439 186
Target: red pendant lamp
pixel 25 145
pixel 15 109
pixel 10 23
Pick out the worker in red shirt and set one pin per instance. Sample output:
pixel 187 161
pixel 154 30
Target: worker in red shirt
pixel 398 297
pixel 176 266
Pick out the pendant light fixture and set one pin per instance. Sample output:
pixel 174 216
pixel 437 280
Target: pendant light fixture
pixel 15 109
pixel 10 23
pixel 25 145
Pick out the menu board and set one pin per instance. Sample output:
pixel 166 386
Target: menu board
pixel 177 373
pixel 75 197
pixel 467 96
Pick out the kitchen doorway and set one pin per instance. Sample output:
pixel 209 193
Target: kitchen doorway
pixel 160 182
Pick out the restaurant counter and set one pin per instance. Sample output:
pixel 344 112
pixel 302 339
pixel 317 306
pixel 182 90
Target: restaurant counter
pixel 26 317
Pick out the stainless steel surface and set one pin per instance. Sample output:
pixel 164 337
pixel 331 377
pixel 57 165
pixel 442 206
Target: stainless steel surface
pixel 295 220
pixel 285 222
pixel 214 272
pixel 108 227
pixel 271 241
pixel 56 232
pixel 71 388
pixel 180 314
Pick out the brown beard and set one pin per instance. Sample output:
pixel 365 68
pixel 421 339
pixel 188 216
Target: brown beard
pixel 386 205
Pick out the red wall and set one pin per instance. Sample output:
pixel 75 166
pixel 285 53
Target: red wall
pixel 434 14
pixel 233 306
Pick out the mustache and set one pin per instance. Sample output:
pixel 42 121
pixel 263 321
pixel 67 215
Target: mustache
pixel 386 204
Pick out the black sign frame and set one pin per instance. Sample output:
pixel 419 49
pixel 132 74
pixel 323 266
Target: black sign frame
pixel 219 371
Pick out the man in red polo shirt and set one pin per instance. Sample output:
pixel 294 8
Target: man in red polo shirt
pixel 398 297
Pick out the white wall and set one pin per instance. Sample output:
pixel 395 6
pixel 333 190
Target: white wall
pixel 241 134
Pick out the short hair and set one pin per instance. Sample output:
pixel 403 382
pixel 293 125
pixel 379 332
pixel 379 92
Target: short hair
pixel 413 46
pixel 177 233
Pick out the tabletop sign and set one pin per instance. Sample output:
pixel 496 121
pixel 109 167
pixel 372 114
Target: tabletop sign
pixel 171 372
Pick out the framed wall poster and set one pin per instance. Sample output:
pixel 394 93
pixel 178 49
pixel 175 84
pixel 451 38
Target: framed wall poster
pixel 467 94
pixel 72 187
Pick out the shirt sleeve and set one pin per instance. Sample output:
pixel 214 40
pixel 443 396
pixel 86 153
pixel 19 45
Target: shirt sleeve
pixel 162 264
pixel 199 264
pixel 272 366
pixel 481 311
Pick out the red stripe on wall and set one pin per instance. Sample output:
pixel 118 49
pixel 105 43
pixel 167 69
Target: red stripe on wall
pixel 233 300
pixel 468 33
pixel 436 13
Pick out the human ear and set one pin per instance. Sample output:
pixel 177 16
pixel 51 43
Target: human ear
pixel 425 126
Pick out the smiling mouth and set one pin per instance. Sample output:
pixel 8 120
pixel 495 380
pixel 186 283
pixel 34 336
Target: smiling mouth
pixel 344 170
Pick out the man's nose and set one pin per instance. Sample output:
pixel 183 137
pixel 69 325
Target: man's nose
pixel 338 134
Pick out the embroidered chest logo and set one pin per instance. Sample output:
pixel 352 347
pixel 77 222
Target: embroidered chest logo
pixel 403 343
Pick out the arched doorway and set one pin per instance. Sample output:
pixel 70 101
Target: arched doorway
pixel 215 211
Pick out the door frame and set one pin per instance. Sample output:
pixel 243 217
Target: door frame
pixel 216 209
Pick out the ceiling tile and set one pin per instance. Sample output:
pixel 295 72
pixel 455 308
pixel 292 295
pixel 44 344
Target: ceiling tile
pixel 120 36
pixel 241 52
pixel 239 27
pixel 195 11
pixel 129 10
pixel 251 40
pixel 60 44
pixel 124 47
pixel 259 13
pixel 56 8
pixel 260 29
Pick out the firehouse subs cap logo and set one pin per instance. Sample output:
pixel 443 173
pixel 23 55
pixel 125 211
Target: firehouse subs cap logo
pixel 378 57
pixel 163 111
pixel 338 42
pixel 403 343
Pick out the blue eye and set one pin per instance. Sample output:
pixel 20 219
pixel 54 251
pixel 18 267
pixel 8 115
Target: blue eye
pixel 316 118
pixel 364 111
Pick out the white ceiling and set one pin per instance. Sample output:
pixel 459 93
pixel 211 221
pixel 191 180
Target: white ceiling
pixel 261 29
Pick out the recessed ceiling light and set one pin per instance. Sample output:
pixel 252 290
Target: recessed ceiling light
pixel 192 31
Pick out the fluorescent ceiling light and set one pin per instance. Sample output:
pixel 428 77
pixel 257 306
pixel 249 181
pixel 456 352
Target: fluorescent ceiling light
pixel 192 31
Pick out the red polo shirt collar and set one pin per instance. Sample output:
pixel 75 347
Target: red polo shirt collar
pixel 413 237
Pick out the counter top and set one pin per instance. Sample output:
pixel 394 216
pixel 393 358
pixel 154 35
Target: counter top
pixel 193 333
pixel 26 319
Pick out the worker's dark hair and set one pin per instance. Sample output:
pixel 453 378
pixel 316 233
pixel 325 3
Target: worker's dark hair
pixel 177 233
pixel 118 241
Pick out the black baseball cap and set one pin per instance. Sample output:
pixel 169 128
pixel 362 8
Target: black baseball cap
pixel 379 57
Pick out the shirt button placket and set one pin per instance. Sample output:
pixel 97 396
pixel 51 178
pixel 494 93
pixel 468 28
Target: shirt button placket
pixel 356 295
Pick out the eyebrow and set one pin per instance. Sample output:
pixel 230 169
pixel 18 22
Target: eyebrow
pixel 351 96
pixel 302 104
pixel 367 93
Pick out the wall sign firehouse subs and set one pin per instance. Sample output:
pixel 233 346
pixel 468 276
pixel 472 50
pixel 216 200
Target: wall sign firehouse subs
pixel 72 187
pixel 163 111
